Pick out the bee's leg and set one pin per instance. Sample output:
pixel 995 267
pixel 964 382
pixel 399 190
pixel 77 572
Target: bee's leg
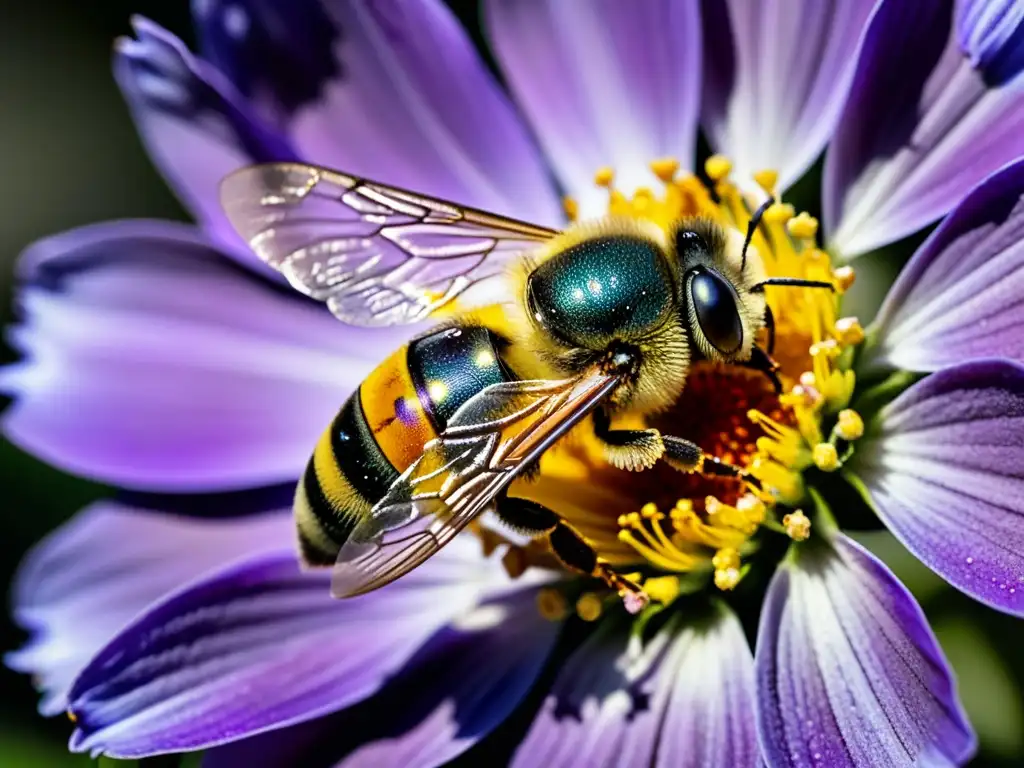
pixel 687 456
pixel 762 362
pixel 632 449
pixel 571 549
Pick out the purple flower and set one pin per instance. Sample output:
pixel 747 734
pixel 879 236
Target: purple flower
pixel 167 361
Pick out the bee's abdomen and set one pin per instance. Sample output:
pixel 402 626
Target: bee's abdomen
pixel 382 429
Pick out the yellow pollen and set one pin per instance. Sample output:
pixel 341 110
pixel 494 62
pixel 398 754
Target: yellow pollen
pixel 779 213
pixel 849 426
pixel 662 589
pixel 797 526
pixel 844 277
pixel 604 177
pixel 552 605
pixel 752 508
pixel 72 716
pixel 808 380
pixel 665 168
pixel 571 208
pixel 718 168
pixel 589 607
pixel 848 331
pixel 726 558
pixel 826 458
pixel 767 179
pixel 803 226
pixel 727 579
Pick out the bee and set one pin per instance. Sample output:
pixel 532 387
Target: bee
pixel 606 319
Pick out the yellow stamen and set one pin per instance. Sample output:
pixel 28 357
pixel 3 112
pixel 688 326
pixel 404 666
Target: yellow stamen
pixel 665 168
pixel 779 213
pixel 803 226
pixel 718 168
pixel 662 589
pixel 727 579
pixel 604 177
pixel 571 208
pixel 726 558
pixel 589 606
pixel 797 526
pixel 552 605
pixel 849 426
pixel 848 331
pixel 826 458
pixel 767 179
pixel 844 277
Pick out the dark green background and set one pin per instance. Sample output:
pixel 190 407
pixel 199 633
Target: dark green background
pixel 69 156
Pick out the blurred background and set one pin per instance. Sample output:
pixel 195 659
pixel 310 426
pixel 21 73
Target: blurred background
pixel 69 156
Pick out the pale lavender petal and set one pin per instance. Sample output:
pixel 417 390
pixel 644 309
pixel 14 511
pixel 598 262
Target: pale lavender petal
pixel 776 77
pixel 392 91
pixel 686 698
pixel 848 671
pixel 152 361
pixel 945 469
pixel 85 581
pixel 604 83
pixel 921 127
pixel 961 296
pixel 197 128
pixel 262 645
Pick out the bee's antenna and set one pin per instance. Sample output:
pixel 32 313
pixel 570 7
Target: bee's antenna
pixel 755 220
pixel 793 282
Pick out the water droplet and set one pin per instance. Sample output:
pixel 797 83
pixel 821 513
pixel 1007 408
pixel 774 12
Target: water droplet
pixel 970 560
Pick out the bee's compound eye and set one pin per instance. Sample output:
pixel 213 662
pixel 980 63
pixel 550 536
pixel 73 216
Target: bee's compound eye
pixel 716 307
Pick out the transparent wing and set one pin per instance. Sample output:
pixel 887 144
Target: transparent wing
pixel 492 438
pixel 377 255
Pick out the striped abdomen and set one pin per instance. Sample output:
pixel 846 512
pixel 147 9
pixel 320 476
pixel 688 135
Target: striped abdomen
pixel 381 430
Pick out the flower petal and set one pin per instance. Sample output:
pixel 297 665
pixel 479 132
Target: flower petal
pixel 262 645
pixel 604 83
pixel 685 699
pixel 154 362
pixel 459 686
pixel 395 92
pixel 958 298
pixel 776 77
pixel 848 672
pixel 992 34
pixel 945 470
pixel 86 580
pixel 908 147
pixel 196 127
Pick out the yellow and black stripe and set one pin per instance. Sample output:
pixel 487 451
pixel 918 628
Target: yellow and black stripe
pixel 381 429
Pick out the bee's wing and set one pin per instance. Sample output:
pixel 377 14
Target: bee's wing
pixel 377 255
pixel 492 438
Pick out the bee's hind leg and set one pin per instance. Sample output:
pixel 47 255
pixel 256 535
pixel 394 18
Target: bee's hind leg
pixel 571 549
pixel 632 449
pixel 687 456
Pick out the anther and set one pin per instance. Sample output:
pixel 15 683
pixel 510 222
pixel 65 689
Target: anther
pixel 604 177
pixel 718 168
pixel 844 277
pixel 662 589
pixel 551 604
pixel 727 579
pixel 726 558
pixel 589 607
pixel 767 179
pixel 665 168
pixel 779 213
pixel 826 457
pixel 751 507
pixel 803 226
pixel 849 426
pixel 849 331
pixel 797 525
pixel 571 208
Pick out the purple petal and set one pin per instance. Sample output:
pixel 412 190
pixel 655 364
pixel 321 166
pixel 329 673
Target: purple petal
pixel 921 127
pixel 991 33
pixel 959 296
pixel 196 127
pixel 262 645
pixel 392 91
pixel 604 83
pixel 776 77
pixel 85 581
pixel 456 689
pixel 945 470
pixel 685 699
pixel 848 671
pixel 154 362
